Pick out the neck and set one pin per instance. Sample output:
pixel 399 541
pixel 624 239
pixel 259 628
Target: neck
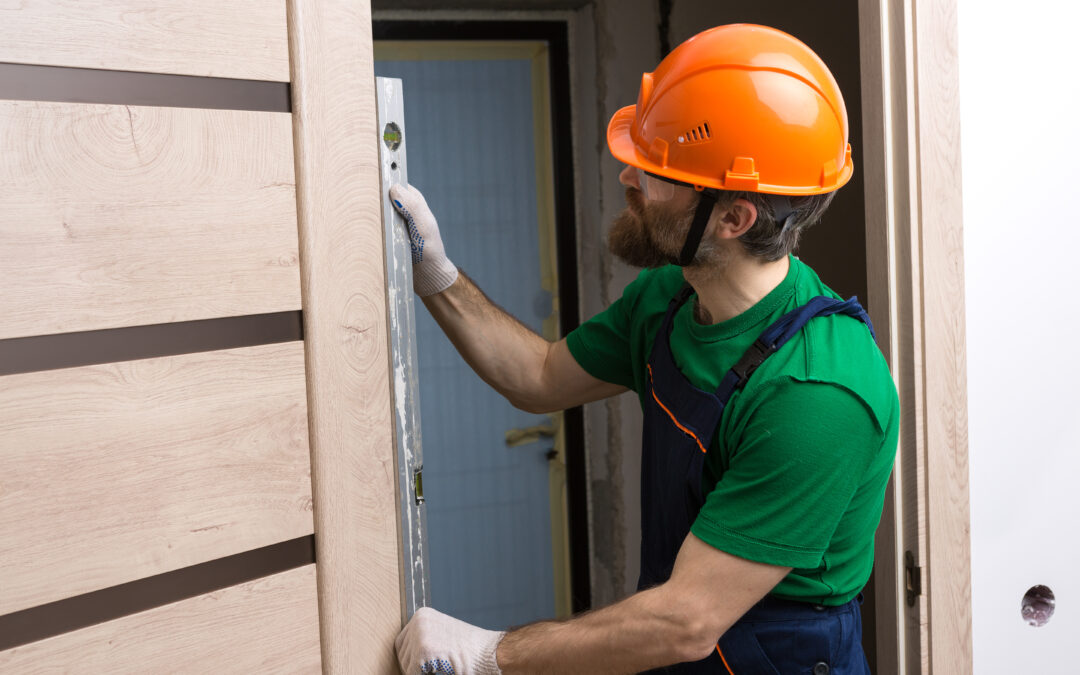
pixel 736 287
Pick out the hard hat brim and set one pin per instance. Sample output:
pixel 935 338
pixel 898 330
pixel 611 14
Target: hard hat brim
pixel 621 144
pixel 623 148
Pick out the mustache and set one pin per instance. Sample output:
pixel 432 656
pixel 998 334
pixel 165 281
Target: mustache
pixel 635 200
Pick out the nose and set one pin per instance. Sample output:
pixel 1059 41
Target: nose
pixel 629 177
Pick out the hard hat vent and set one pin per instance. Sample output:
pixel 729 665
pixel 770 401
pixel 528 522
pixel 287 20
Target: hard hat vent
pixel 698 134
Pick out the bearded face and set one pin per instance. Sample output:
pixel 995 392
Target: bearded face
pixel 650 234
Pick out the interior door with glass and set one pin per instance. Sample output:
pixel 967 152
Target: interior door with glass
pixel 478 121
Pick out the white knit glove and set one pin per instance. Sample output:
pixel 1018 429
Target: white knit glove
pixel 433 642
pixel 432 270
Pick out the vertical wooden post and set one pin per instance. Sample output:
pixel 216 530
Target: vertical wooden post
pixel 940 243
pixel 915 249
pixel 343 285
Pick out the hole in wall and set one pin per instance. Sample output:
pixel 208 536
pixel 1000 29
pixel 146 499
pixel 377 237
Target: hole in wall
pixel 1037 606
pixel 393 166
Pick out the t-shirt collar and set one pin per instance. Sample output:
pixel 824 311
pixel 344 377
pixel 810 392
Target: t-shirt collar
pixel 749 319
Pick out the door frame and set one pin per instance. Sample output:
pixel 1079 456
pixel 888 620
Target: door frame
pixel 911 139
pixel 555 34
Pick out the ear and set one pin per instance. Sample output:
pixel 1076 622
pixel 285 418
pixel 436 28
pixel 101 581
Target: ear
pixel 736 220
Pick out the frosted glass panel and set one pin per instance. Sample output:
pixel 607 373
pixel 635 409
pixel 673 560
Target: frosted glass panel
pixel 469 126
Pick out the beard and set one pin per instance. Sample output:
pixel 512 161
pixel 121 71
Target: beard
pixel 653 235
pixel 649 235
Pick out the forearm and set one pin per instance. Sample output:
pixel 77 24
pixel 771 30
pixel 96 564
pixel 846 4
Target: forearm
pixel 532 373
pixel 678 621
pixel 647 630
pixel 504 352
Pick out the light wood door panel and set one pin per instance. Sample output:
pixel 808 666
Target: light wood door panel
pixel 269 625
pixel 116 472
pixel 244 39
pixel 345 333
pixel 117 216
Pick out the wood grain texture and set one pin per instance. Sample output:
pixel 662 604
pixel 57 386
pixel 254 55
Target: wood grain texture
pixel 947 585
pixel 243 39
pixel 269 625
pixel 117 472
pixel 912 139
pixel 117 216
pixel 345 314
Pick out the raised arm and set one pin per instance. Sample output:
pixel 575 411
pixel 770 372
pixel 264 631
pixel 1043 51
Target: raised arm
pixel 532 373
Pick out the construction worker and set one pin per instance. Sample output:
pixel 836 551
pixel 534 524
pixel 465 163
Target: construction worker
pixel 770 416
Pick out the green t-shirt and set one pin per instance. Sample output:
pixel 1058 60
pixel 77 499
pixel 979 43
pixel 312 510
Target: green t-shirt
pixel 797 471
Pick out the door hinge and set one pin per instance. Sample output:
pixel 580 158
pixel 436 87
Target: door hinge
pixel 912 578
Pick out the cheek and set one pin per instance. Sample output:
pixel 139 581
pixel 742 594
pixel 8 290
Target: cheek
pixel 684 200
pixel 667 222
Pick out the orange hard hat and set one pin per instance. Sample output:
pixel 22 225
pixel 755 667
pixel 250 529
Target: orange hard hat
pixel 739 107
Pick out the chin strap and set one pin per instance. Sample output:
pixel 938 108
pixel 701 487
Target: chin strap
pixel 697 228
pixel 783 215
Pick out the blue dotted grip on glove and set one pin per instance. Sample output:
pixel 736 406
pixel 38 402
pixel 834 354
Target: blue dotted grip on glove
pixel 437 667
pixel 416 242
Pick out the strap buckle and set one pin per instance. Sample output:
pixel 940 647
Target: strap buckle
pixel 751 359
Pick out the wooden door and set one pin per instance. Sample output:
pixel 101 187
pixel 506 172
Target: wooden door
pixel 194 393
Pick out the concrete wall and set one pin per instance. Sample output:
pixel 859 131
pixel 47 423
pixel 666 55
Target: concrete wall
pixel 627 44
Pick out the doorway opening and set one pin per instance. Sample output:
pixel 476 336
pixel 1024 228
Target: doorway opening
pixel 487 109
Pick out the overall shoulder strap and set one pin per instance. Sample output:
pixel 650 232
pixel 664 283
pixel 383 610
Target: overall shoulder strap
pixel 776 336
pixel 676 302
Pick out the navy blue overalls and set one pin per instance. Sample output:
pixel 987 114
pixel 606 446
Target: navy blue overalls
pixel 774 636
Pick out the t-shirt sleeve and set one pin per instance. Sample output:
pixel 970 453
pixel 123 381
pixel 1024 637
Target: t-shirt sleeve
pixel 798 461
pixel 602 346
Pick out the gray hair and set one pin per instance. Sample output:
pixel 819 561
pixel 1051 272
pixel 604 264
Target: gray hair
pixel 766 238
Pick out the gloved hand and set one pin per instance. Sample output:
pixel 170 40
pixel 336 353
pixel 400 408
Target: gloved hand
pixel 432 270
pixel 433 642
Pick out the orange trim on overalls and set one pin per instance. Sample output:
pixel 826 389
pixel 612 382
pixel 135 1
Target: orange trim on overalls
pixel 724 660
pixel 686 431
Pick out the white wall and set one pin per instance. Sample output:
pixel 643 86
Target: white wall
pixel 1021 165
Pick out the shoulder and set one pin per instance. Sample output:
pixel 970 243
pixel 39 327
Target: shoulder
pixel 789 398
pixel 814 426
pixel 837 352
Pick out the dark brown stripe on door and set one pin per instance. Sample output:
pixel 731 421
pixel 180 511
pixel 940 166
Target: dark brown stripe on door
pixel 70 350
pixel 62 616
pixel 87 85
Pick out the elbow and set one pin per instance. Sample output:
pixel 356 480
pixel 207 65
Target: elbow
pixel 697 627
pixel 696 640
pixel 533 406
pixel 535 398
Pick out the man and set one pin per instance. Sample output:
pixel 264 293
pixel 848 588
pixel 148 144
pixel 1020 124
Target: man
pixel 770 417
